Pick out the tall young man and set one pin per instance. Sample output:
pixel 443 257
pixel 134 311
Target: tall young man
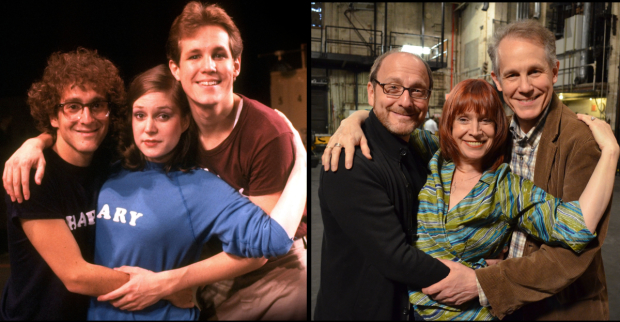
pixel 249 146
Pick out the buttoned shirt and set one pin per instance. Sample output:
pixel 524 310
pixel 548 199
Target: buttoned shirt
pixel 523 161
pixel 479 226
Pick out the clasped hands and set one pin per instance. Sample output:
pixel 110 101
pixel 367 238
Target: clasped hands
pixel 460 285
pixel 144 289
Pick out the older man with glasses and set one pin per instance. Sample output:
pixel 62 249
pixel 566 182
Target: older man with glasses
pixel 367 258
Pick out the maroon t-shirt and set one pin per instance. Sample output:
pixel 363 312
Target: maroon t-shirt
pixel 258 155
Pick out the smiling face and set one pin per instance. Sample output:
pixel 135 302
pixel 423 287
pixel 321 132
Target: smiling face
pixel 526 79
pixel 473 135
pixel 157 126
pixel 403 114
pixel 206 67
pixel 78 140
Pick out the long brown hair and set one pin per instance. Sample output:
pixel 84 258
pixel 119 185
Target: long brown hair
pixel 159 79
pixel 481 98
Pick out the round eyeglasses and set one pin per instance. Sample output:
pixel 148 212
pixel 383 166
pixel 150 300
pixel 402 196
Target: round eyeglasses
pixel 396 91
pixel 73 110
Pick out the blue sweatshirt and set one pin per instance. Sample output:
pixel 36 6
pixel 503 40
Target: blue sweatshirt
pixel 160 221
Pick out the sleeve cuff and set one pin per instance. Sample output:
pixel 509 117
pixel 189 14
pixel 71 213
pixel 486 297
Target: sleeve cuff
pixel 481 296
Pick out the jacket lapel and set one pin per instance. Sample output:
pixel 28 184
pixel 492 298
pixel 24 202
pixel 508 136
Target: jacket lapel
pixel 548 145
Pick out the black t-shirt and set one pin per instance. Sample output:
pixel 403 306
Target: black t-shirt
pixel 33 291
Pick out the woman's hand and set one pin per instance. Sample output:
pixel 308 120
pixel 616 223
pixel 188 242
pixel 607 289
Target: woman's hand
pixel 144 288
pixel 348 135
pixel 602 133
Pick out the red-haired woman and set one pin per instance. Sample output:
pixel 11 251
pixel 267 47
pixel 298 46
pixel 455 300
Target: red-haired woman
pixel 471 201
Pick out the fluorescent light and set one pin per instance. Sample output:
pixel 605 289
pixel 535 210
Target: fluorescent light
pixel 561 97
pixel 416 50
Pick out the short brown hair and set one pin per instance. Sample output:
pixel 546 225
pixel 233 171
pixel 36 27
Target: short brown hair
pixel 196 15
pixel 75 68
pixel 159 79
pixel 480 97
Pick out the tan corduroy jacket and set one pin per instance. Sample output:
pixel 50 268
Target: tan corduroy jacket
pixel 554 283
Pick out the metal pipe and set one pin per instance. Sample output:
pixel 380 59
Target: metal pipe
pixel 422 25
pixel 374 37
pixel 584 56
pixel 452 48
pixel 385 30
pixel 443 16
pixel 536 10
pixel 604 54
pixel 460 6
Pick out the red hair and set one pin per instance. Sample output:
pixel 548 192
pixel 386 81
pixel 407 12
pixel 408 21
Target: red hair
pixel 478 96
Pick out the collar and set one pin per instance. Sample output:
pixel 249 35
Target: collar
pixel 446 170
pixel 390 144
pixel 552 130
pixel 529 137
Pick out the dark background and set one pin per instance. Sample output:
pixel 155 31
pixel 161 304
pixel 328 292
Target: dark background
pixel 132 34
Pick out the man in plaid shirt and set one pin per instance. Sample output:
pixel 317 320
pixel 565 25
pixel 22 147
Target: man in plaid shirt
pixel 550 148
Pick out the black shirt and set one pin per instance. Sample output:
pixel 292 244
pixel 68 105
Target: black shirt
pixel 33 291
pixel 366 260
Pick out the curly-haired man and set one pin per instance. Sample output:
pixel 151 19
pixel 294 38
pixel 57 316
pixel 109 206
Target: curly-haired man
pixel 51 235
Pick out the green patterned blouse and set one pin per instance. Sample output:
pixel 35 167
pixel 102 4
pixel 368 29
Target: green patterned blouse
pixel 479 226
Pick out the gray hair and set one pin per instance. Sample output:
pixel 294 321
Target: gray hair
pixel 375 67
pixel 524 29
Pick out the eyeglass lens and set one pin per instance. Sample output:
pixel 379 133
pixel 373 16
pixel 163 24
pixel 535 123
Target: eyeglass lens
pixel 98 110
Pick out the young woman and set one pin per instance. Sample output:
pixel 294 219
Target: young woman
pixel 155 211
pixel 471 201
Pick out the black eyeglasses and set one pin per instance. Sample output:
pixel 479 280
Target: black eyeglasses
pixel 396 91
pixel 73 110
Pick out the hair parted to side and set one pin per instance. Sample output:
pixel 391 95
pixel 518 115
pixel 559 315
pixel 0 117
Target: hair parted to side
pixel 158 79
pixel 196 15
pixel 480 97
pixel 377 64
pixel 82 67
pixel 530 30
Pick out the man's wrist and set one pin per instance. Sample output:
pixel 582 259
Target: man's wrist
pixel 484 301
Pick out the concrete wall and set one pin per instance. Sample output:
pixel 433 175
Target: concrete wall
pixel 341 95
pixel 403 17
pixel 612 77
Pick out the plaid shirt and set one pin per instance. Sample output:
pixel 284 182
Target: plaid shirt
pixel 525 147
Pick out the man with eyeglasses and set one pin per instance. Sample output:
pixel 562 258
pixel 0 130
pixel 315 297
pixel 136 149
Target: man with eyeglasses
pixel 367 260
pixel 52 235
